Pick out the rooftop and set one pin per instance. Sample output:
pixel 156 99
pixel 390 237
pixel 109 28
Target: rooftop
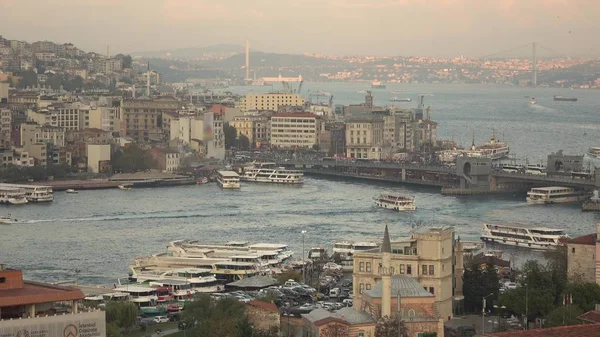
pixel 405 285
pixel 263 305
pixel 590 316
pixel 36 292
pixel 347 314
pixel 589 239
pixel 295 114
pixel 254 282
pixel 584 330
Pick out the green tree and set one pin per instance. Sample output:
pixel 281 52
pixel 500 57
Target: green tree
pixel 479 282
pixel 225 317
pixel 564 315
pixel 230 135
pixel 127 62
pixel 243 143
pixel 28 79
pixel 390 327
pixel 121 314
pixel 585 295
pixel 112 330
pixel 132 158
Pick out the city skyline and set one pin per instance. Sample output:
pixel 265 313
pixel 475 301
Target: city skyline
pixel 378 27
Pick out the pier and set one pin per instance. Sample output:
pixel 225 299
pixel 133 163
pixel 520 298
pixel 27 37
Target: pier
pixel 470 176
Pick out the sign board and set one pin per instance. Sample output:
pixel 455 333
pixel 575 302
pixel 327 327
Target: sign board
pixel 86 324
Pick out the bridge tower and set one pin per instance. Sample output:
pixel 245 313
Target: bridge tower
pixel 474 173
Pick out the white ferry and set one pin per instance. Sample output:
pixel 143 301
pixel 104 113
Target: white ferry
pixel 270 173
pixel 228 180
pixel 594 152
pixel 522 236
pixel 537 169
pixel 33 193
pixel 200 279
pixel 554 195
pixel 12 196
pixel 492 149
pixel 396 202
pixel 349 248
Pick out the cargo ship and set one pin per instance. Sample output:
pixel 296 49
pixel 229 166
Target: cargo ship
pixel 377 85
pixel 565 99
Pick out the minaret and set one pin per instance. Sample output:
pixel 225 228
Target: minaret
pixel 386 275
pixel 247 60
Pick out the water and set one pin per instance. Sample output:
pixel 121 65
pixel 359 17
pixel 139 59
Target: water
pixel 100 232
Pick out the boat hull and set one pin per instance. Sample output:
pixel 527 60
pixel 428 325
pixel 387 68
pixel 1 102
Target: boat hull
pixel 272 180
pixel 399 208
pixel 521 243
pixel 562 200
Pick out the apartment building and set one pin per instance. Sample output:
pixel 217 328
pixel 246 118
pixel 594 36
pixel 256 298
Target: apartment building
pixel 143 117
pixel 364 137
pixel 166 160
pixel 5 127
pixel 427 255
pixel 98 158
pixel 270 101
pixel 33 134
pixel 255 127
pixel 104 118
pixel 292 130
pixel 398 131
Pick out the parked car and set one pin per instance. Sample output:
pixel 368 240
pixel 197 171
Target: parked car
pixel 161 319
pixel 348 302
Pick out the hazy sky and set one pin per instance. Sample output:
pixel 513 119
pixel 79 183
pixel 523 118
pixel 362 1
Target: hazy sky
pixel 382 27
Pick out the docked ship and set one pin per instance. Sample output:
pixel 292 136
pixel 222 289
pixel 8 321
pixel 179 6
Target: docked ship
pixel 400 99
pixel 594 152
pixel 492 149
pixel 270 173
pixel 200 279
pixel 228 180
pixel 554 195
pixel 33 193
pixel 349 247
pixel 377 85
pixel 12 196
pixel 396 202
pixel 522 236
pixel 564 99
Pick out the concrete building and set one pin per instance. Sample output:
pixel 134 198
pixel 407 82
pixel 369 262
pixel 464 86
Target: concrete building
pixel 364 137
pixel 269 102
pixel 34 134
pixel 143 117
pixel 581 258
pixel 295 130
pixel 166 160
pixel 390 295
pixel 4 92
pixel 186 127
pixel 427 256
pixel 98 158
pixel 264 316
pixel 28 307
pixel 215 148
pixel 5 127
pixel 397 132
pixel 104 118
pixel 255 127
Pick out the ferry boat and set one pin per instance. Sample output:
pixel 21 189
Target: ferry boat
pixel 345 248
pixel 400 99
pixel 554 195
pixel 492 149
pixel 536 169
pixel 200 279
pixel 33 193
pixel 12 196
pixel 6 220
pixel 377 85
pixel 396 202
pixel 523 236
pixel 594 152
pixel 565 99
pixel 270 173
pixel 144 298
pixel 228 180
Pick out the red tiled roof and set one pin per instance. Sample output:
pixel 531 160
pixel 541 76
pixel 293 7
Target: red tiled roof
pixel 295 114
pixel 583 330
pixel 589 239
pixel 590 316
pixel 263 305
pixel 36 292
pixel 330 319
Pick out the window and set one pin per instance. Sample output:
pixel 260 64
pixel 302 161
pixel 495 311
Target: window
pixel 431 290
pixel 361 334
pixel 442 267
pixel 431 269
pixel 424 269
pixel 368 266
pixel 401 269
pixel 409 269
pixel 2 279
pixel 368 286
pixel 361 288
pixel 573 250
pixel 391 270
pixel 361 266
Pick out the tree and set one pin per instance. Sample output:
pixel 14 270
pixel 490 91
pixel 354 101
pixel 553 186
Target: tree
pixel 112 330
pixel 28 79
pixel 335 330
pixel 230 135
pixel 224 318
pixel 131 159
pixel 243 143
pixel 585 295
pixel 121 314
pixel 390 327
pixel 564 315
pixel 127 62
pixel 479 282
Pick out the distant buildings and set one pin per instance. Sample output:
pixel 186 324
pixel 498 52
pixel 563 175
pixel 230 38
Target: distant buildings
pixel 364 137
pixel 295 130
pixel 270 101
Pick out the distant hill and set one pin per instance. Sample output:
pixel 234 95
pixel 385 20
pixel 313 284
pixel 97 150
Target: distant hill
pixel 261 59
pixel 193 52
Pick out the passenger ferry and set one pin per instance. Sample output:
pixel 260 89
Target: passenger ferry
pixel 270 173
pixel 492 149
pixel 12 196
pixel 554 195
pixel 594 152
pixel 200 279
pixel 33 193
pixel 396 202
pixel 349 248
pixel 537 169
pixel 144 298
pixel 522 236
pixel 228 180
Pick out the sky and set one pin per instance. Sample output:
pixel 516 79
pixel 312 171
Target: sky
pixel 471 28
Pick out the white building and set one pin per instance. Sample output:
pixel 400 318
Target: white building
pixel 364 137
pixel 270 101
pixel 291 130
pixel 104 118
pixel 96 155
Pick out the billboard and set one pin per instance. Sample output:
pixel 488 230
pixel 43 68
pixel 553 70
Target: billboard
pixel 86 324
pixel 208 126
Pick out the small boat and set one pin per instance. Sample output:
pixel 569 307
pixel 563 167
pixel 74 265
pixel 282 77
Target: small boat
pixel 154 310
pixel 396 202
pixel 124 187
pixel 532 101
pixel 6 220
pixel 564 99
pixel 400 99
pixel 70 190
pixel 201 181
